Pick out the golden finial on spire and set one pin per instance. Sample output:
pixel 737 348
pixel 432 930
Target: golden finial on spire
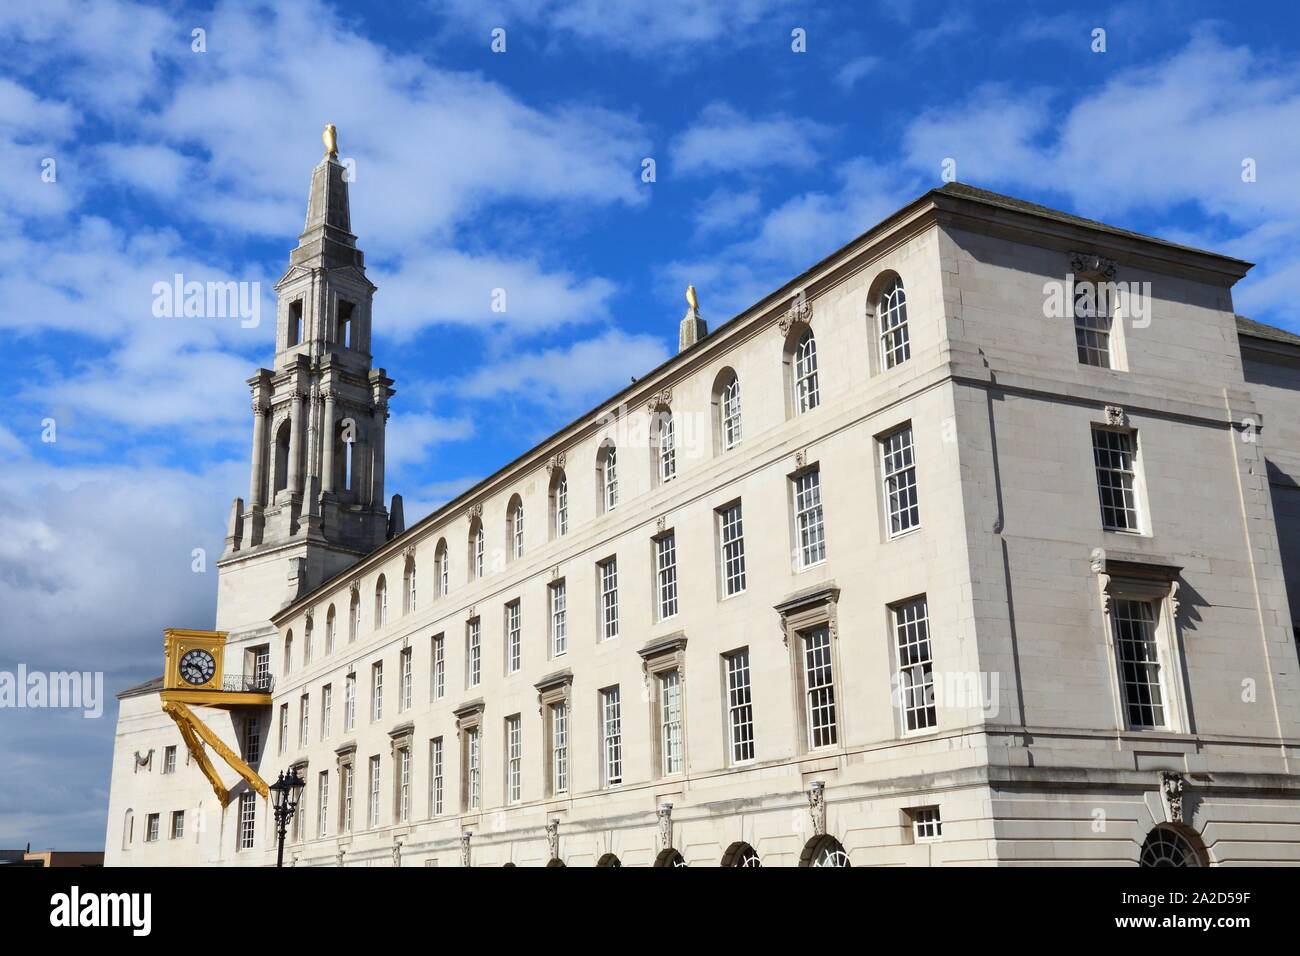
pixel 331 139
pixel 691 300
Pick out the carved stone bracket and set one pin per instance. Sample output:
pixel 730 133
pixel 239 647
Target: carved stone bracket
pixel 665 814
pixel 659 399
pixel 1171 789
pixel 476 510
pixel 555 464
pixel 817 806
pixel 143 760
pixel 408 552
pixel 801 458
pixel 397 852
pixel 355 587
pixel 1090 264
pixel 465 836
pixel 1115 416
pixel 661 524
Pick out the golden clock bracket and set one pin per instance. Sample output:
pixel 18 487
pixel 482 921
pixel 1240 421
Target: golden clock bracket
pixel 195 733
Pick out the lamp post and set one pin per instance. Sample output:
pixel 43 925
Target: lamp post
pixel 285 793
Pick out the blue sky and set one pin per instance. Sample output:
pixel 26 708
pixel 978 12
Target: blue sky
pixel 519 170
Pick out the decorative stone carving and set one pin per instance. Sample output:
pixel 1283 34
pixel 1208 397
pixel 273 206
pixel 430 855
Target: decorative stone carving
pixel 465 836
pixel 338 857
pixel 665 813
pixel 476 510
pixel 143 760
pixel 817 806
pixel 556 463
pixel 1115 416
pixel 553 837
pixel 1174 602
pixel 800 311
pixel 659 399
pixel 354 586
pixel 260 407
pixel 801 458
pixel 397 853
pixel 1171 788
pixel 308 618
pixel 661 523
pixel 408 553
pixel 1090 264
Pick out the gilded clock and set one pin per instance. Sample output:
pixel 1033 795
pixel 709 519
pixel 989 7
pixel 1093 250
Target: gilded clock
pixel 197 667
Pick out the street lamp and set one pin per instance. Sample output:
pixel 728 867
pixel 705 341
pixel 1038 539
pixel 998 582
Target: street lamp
pixel 285 793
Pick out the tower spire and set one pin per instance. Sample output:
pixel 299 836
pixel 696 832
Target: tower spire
pixel 327 240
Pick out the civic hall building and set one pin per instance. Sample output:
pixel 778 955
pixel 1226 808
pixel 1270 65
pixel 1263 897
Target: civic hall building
pixel 973 544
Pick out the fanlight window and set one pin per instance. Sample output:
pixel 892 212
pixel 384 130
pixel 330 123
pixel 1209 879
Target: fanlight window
pixel 895 346
pixel 1165 846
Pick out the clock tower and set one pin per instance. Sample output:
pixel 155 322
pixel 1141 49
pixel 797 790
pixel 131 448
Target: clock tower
pixel 315 500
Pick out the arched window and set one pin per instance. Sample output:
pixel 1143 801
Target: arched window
pixel 554 862
pixel 330 630
pixel 559 504
pixel 609 859
pixel 1168 846
pixel 288 652
pixel 128 829
pixel 354 618
pixel 803 372
pixel 669 857
pixel 443 567
pixel 515 526
pixel 895 345
pixel 665 445
pixel 726 410
pixel 306 643
pixel 741 853
pixel 281 457
pixel 408 585
pixel 607 469
pixel 824 851
pixel 345 443
pixel 381 602
pixel 475 549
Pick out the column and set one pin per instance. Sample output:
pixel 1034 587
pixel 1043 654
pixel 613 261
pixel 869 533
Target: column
pixel 327 449
pixel 295 443
pixel 377 481
pixel 255 483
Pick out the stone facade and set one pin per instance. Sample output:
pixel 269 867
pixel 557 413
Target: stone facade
pixel 1003 579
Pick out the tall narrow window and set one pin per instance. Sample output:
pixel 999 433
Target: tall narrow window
pixel 476 551
pixel 514 638
pixel 915 666
pixel 410 585
pixel 808 518
pixel 609 599
pixel 247 820
pixel 330 628
pixel 1138 656
pixel 806 393
pixel 284 728
pixel 439 667
pixel 895 349
pixel 435 777
pixel 262 668
pixel 609 476
pixel 295 322
pixel 472 778
pixel 381 602
pixel 443 568
pixel 516 521
pixel 178 825
pixel 729 413
pixel 288 652
pixel 377 690
pixel 169 760
pixel 304 720
pixel 732 544
pixel 473 653
pixel 253 740
pixel 667 446
pixel 326 710
pixel 560 747
pixel 560 505
pixel 376 781
pixel 323 804
pixel 670 721
pixel 612 733
pixel 306 644
pixel 346 327
pixel 1092 322
pixel 345 802
pixel 349 703
pixel 559 619
pixel 403 784
pixel 819 687
pixel 354 624
pixel 152 825
pixel 666 574
pixel 740 706
pixel 408 681
pixel 899 469
pixel 1113 454
pixel 514 759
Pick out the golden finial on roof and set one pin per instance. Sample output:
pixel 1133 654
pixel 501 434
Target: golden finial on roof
pixel 691 300
pixel 331 138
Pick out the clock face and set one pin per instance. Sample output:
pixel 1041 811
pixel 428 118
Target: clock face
pixel 197 667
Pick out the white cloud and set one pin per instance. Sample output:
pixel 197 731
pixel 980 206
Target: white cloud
pixel 847 76
pixel 410 437
pixel 724 140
